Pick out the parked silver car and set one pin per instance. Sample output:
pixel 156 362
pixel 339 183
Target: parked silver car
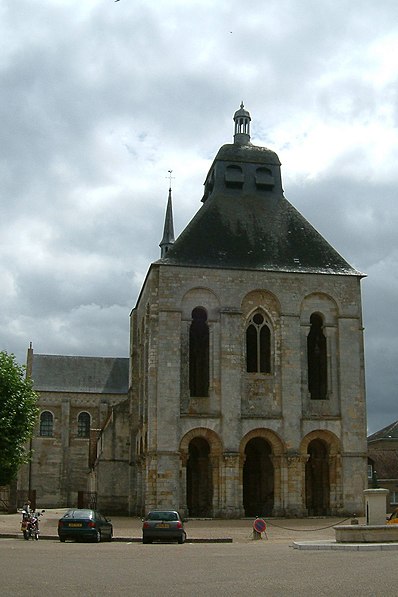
pixel 163 525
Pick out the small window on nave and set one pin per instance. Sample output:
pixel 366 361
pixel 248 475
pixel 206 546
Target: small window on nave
pixel 46 424
pixel 83 424
pixel 258 345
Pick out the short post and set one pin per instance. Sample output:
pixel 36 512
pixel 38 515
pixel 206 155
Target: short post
pixel 259 526
pixel 375 506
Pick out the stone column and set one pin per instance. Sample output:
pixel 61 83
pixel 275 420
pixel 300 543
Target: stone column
pixel 65 443
pixel 295 491
pixel 215 480
pixel 279 484
pixel 183 506
pixel 233 505
pixel 167 479
pixel 291 369
pixel 140 489
pixel 336 497
pixel 231 377
pixel 149 479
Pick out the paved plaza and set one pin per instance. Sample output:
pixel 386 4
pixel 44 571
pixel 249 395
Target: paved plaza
pixel 124 527
pixel 281 530
pixel 303 534
pixel 244 567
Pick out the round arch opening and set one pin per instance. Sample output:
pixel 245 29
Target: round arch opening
pixel 199 478
pixel 317 478
pixel 258 478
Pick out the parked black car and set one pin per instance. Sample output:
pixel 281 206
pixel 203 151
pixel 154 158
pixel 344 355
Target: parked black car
pixel 163 525
pixel 84 524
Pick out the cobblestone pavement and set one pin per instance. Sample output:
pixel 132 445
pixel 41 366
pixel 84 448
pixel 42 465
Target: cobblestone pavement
pixel 280 530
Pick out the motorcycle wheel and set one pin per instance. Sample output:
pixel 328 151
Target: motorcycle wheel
pixel 26 535
pixel 37 536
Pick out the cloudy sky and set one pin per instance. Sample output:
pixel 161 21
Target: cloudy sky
pixel 99 99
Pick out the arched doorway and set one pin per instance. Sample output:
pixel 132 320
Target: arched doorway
pixel 199 478
pixel 258 478
pixel 317 484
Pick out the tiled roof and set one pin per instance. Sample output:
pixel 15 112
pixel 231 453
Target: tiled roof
pixel 100 375
pixel 385 462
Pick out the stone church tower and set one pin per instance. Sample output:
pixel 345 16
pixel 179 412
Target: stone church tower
pixel 247 364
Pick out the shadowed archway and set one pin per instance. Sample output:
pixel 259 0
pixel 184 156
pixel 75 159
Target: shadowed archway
pixel 199 478
pixel 317 484
pixel 258 478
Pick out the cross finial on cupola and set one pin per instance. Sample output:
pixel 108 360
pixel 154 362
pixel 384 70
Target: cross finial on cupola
pixel 242 126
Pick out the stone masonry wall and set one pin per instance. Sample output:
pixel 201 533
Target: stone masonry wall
pixel 241 405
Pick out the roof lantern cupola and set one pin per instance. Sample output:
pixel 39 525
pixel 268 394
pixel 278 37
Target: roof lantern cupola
pixel 242 126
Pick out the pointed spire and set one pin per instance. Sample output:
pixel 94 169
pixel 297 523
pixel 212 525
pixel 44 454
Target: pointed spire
pixel 242 126
pixel 168 231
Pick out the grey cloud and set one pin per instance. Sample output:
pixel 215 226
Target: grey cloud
pixel 97 104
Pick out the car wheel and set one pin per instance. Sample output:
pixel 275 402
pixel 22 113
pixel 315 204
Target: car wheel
pixel 98 537
pixel 62 539
pixel 181 539
pixel 145 540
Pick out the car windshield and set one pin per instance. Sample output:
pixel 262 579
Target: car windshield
pixel 79 514
pixel 162 516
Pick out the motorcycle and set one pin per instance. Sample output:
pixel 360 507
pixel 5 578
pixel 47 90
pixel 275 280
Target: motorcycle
pixel 30 524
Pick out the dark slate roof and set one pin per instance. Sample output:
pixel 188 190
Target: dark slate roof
pixel 253 154
pixel 385 462
pixel 98 375
pixel 254 232
pixel 387 433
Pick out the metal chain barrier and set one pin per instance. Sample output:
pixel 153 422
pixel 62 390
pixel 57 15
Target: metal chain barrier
pixel 272 524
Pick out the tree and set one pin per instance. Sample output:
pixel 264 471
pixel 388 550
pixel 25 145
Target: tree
pixel 18 415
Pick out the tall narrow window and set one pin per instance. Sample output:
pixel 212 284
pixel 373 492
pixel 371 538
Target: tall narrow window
pixel 317 360
pixel 199 353
pixel 258 345
pixel 83 425
pixel 46 424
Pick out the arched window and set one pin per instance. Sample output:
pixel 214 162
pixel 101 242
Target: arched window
pixel 83 425
pixel 258 345
pixel 199 353
pixel 46 424
pixel 317 359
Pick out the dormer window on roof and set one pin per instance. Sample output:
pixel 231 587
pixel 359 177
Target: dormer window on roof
pixel 264 179
pixel 234 177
